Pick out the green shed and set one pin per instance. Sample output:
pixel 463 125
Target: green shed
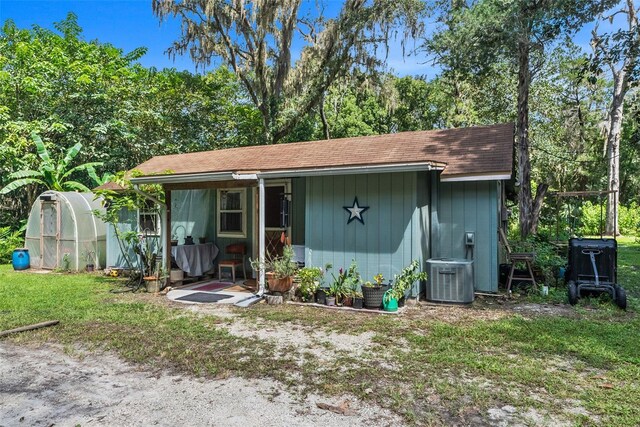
pixel 382 200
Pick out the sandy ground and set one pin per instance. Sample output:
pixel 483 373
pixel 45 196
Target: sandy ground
pixel 45 387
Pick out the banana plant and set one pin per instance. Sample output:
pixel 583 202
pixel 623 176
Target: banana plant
pixel 52 175
pixel 97 179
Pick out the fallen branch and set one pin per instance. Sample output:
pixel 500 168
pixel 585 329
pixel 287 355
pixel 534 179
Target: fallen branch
pixel 342 408
pixel 29 327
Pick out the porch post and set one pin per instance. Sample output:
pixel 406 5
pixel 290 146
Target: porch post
pixel 166 230
pixel 261 238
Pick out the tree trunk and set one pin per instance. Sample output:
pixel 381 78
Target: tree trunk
pixel 537 206
pixel 267 132
pixel 613 150
pixel 525 202
pixel 325 124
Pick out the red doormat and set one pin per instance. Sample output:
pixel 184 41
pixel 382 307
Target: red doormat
pixel 212 286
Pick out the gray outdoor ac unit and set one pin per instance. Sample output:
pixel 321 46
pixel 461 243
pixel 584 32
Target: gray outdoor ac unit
pixel 450 280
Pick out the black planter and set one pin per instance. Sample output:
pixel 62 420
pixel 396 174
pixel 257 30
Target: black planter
pixel 373 295
pixel 358 303
pixel 401 302
pixel 321 296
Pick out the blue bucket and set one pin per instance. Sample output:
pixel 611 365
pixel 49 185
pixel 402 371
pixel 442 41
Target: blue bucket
pixel 21 259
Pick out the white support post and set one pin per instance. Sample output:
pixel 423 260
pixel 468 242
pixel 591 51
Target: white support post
pixel 261 234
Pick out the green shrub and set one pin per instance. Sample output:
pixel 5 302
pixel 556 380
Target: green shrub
pixel 589 219
pixel 309 278
pixel 9 240
pixel 629 219
pixel 546 258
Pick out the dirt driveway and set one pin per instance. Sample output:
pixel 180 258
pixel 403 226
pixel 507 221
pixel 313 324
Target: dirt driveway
pixel 44 387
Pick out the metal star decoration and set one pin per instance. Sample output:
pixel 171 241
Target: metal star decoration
pixel 355 211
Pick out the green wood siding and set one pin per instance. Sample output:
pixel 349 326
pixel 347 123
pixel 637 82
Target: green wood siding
pixel 127 221
pixel 468 206
pixel 394 226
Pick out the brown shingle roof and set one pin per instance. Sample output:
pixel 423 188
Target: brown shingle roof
pixel 482 150
pixel 110 185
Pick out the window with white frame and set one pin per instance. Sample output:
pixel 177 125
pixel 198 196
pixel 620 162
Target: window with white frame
pixel 149 219
pixel 232 213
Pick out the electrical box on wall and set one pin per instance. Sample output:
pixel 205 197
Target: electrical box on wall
pixel 470 238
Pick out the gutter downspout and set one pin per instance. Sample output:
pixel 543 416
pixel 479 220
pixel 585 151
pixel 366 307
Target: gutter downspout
pixel 261 219
pixel 261 238
pixel 261 233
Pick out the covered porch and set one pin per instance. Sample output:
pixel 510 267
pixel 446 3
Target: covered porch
pixel 205 215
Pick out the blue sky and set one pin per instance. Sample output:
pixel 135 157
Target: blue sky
pixel 128 24
pixel 125 24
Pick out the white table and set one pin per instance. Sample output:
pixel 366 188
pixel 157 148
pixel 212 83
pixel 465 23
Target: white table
pixel 195 260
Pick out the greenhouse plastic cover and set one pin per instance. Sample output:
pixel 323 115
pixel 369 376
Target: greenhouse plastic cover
pixel 63 232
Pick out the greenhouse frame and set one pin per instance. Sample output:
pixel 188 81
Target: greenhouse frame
pixel 63 231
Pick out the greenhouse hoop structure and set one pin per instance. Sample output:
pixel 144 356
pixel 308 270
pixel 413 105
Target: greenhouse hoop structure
pixel 63 231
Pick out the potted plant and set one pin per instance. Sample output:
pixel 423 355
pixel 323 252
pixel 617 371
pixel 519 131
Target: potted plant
pixel 401 284
pixel 155 281
pixel 333 293
pixel 321 292
pixel 347 297
pixel 347 282
pixel 373 292
pixel 280 270
pixel 152 284
pixel 309 278
pixel 321 296
pixel 358 300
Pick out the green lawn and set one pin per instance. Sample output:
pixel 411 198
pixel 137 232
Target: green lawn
pixel 430 368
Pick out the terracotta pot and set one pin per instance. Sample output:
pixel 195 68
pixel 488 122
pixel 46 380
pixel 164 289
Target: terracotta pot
pixel 347 301
pixel 280 285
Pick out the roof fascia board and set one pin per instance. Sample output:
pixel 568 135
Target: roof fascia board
pixel 223 176
pixel 464 178
pixel 351 170
pixel 184 178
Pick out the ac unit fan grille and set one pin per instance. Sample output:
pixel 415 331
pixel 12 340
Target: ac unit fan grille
pixel 450 280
